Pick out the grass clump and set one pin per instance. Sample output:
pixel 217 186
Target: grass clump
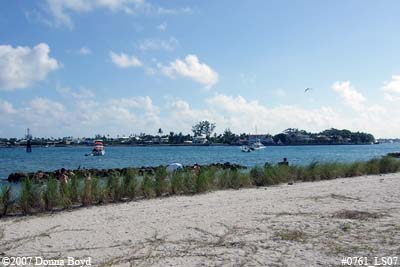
pixel 356 215
pixel 177 183
pixel 292 235
pixel 28 196
pixel 87 195
pixel 148 187
pixel 130 184
pixel 160 182
pixel 5 199
pixel 65 195
pixel 114 188
pixel 51 195
pixel 73 185
pixel 95 190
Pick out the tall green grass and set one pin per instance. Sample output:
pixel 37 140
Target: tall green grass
pixel 29 196
pixel 5 199
pixel 128 185
pixel 51 195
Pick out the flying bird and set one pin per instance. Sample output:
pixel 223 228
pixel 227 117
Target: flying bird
pixel 307 89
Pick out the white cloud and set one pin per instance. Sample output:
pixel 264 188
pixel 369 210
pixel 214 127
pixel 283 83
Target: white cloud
pixel 21 66
pixel 350 95
pixel 173 11
pixel 157 44
pixel 84 51
pixel 82 93
pixel 88 116
pixel 44 106
pixel 162 27
pixel 191 68
pixel 125 61
pixel 6 107
pixel 61 9
pixel 392 89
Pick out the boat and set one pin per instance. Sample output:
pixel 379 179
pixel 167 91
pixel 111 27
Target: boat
pixel 245 148
pixel 98 148
pixel 257 145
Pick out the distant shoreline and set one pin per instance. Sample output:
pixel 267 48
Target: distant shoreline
pixel 188 145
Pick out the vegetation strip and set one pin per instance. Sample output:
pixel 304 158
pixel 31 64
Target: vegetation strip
pixel 84 190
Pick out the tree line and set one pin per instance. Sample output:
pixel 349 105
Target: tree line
pixel 204 131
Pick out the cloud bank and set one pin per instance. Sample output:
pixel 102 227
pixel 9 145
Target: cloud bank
pixel 22 66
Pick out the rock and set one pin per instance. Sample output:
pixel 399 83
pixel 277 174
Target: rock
pixel 17 177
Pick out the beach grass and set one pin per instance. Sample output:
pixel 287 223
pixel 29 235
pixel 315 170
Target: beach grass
pixel 131 185
pixel 5 199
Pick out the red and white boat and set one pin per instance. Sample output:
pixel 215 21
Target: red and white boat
pixel 98 148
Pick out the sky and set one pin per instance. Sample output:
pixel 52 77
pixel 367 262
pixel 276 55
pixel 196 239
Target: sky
pixel 121 67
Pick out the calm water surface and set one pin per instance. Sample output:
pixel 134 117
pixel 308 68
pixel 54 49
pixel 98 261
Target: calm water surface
pixel 52 158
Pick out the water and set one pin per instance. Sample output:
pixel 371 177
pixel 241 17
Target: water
pixel 52 158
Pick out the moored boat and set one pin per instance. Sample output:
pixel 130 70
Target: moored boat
pixel 245 149
pixel 257 145
pixel 98 148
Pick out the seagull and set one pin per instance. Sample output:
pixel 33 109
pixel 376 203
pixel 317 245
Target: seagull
pixel 307 89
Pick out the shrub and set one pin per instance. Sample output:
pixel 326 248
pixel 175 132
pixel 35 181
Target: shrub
pixel 50 195
pixel 5 199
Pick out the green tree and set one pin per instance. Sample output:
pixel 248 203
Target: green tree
pixel 203 127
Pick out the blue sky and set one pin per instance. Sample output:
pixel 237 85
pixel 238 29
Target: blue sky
pixel 82 67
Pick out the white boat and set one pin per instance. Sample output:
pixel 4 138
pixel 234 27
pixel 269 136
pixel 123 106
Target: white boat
pixel 257 145
pixel 245 149
pixel 98 148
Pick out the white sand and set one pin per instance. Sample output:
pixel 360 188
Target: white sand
pixel 248 227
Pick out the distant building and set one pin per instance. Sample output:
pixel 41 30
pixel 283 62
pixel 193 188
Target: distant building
pixel 199 140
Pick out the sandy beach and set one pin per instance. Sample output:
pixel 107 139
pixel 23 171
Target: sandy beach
pixel 305 224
